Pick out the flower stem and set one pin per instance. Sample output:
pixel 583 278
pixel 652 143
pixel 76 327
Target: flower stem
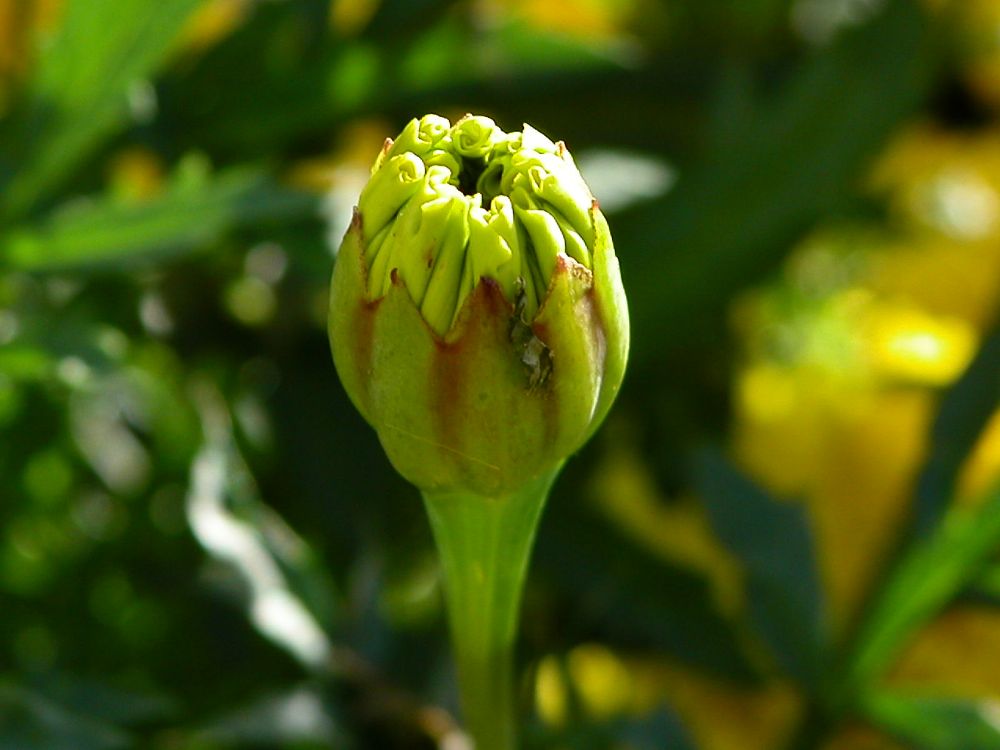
pixel 485 544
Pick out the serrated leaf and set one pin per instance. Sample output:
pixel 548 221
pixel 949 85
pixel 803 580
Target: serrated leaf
pixel 938 723
pixel 774 543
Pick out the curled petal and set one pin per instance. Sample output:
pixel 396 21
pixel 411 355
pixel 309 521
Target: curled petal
pixel 388 189
pixel 421 135
pixel 473 136
pixel 439 302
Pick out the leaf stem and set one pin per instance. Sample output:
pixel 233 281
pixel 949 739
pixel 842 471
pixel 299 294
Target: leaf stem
pixel 485 544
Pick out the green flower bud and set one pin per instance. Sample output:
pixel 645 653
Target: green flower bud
pixel 477 317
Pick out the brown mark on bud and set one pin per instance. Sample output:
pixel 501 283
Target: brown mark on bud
pixel 361 329
pixel 449 381
pixel 533 353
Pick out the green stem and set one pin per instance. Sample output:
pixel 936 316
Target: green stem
pixel 485 544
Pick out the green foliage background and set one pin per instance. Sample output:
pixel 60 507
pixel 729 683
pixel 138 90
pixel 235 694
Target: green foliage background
pixel 203 546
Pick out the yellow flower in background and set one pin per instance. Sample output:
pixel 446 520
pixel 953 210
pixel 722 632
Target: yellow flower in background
pixel 846 355
pixel 136 174
pixel 212 22
pixel 717 714
pixel 847 450
pixel 943 191
pixel 350 17
pixel 347 165
pixel 23 24
pixel 942 277
pixel 957 654
pixel 844 361
pixel 720 715
pixel 594 19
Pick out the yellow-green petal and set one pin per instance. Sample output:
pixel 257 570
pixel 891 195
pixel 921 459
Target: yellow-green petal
pixel 387 190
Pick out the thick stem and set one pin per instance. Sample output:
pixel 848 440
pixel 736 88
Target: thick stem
pixel 485 544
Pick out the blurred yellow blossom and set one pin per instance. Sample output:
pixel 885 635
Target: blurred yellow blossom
pixel 603 683
pixel 944 181
pixel 834 400
pixel 941 277
pixel 943 191
pixel 848 450
pixel 136 174
pixel 212 22
pixel 551 693
pixel 913 346
pixel 957 654
pixel 584 18
pixel 718 714
pixel 348 161
pixel 22 24
pixel 349 17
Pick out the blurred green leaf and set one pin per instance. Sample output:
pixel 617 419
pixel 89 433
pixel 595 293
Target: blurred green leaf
pixel 29 721
pixel 925 581
pixel 962 416
pixel 25 362
pixel 108 233
pixel 937 723
pixel 732 218
pixel 79 94
pixel 773 541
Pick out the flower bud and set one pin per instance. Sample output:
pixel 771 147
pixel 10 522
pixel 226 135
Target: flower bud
pixel 477 317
